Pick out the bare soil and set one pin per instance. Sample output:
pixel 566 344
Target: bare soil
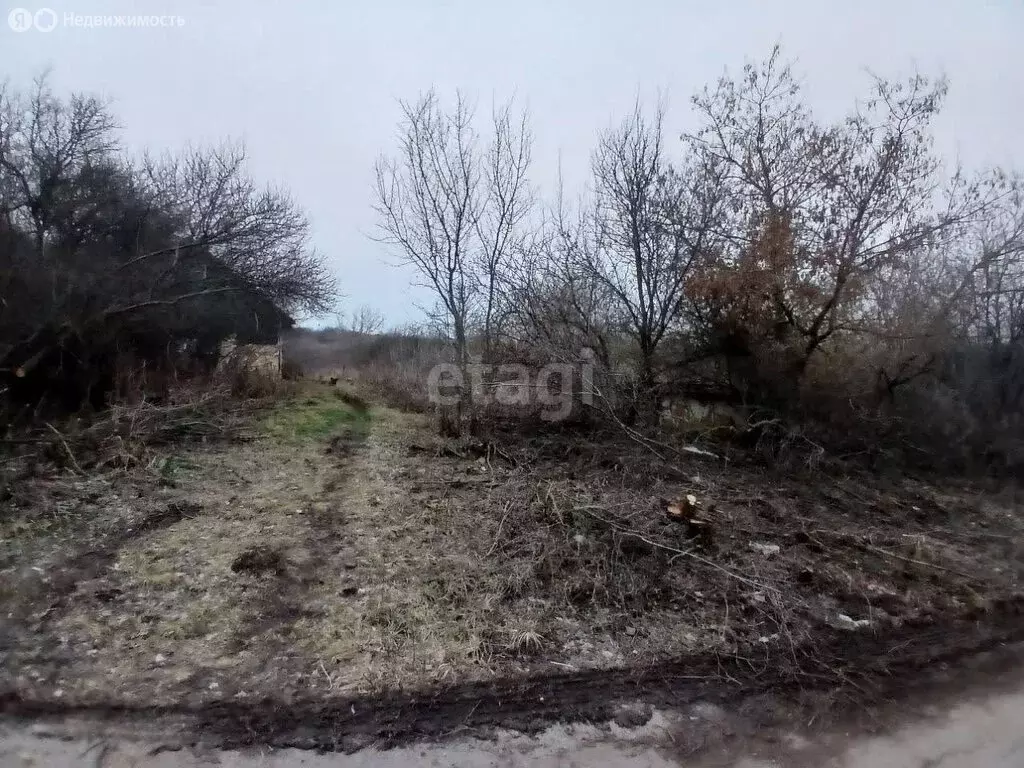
pixel 346 577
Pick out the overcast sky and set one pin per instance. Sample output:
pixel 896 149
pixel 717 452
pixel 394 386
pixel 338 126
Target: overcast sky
pixel 312 87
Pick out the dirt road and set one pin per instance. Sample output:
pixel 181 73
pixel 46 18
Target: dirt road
pixel 983 732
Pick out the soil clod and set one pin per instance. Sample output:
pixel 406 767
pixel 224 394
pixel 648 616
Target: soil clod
pixel 259 559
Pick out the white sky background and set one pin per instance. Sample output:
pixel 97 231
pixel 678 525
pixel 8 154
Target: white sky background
pixel 312 87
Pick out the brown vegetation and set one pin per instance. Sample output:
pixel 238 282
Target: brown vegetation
pixel 345 553
pixel 764 336
pixel 834 279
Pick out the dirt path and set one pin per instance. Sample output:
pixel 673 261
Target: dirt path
pixel 978 730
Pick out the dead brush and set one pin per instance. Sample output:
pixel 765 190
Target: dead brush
pixel 249 377
pixel 783 444
pixel 583 531
pixel 550 545
pixel 401 386
pixel 125 435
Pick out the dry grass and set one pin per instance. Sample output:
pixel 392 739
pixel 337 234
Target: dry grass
pixel 129 434
pixel 389 558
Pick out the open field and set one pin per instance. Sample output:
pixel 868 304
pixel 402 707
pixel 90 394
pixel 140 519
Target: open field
pixel 343 553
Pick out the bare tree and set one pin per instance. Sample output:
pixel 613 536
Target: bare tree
pixel 503 212
pixel 44 144
pixel 653 226
pixel 557 308
pixel 428 200
pixel 454 210
pixel 366 320
pixel 257 234
pixel 992 284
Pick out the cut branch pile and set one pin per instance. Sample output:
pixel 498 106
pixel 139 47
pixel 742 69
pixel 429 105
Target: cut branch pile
pixel 125 434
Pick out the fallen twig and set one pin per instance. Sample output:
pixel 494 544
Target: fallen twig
pixel 67 450
pixel 904 558
pixel 497 534
pixel 682 553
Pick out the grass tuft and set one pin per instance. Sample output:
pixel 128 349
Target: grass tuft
pixel 314 415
